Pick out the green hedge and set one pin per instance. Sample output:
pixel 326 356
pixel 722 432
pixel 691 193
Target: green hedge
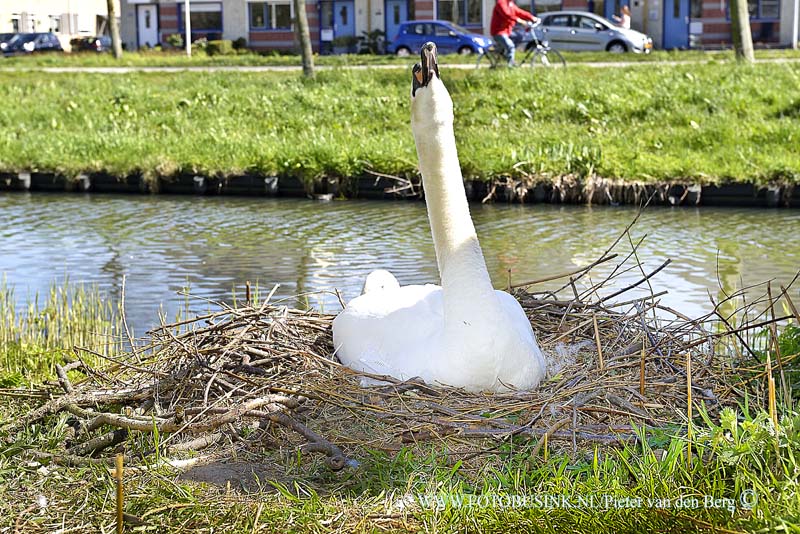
pixel 220 48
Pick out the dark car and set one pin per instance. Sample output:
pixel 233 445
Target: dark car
pixel 91 44
pixel 4 39
pixel 27 43
pixel 449 38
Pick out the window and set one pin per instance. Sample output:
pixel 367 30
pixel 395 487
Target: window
pixel 271 15
pixel 460 11
pixel 55 23
pixel 584 23
pixel 421 29
pixel 762 9
pixel 557 20
pixel 442 31
pixel 205 17
pixel 696 9
pixel 770 9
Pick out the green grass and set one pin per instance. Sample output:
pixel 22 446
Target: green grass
pixel 178 59
pixel 747 480
pixel 710 122
pixel 739 457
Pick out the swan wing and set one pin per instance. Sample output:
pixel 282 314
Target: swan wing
pixel 391 331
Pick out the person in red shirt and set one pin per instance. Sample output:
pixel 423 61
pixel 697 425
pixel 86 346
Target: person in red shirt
pixel 504 16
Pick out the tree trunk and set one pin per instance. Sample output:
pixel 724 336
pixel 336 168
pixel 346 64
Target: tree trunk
pixel 304 37
pixel 114 27
pixel 740 31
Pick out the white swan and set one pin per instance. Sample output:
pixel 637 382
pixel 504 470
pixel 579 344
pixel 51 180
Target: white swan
pixel 463 333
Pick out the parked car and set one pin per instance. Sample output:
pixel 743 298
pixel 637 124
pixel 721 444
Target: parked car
pixel 91 44
pixel 449 38
pixel 27 43
pixel 4 39
pixel 581 30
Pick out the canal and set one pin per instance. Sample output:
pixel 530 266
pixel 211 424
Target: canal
pixel 211 245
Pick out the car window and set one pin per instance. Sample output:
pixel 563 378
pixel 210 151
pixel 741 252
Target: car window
pixel 557 20
pixel 441 31
pixel 421 29
pixel 584 23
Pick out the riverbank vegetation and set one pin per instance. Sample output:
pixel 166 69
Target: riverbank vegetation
pixel 709 122
pixel 35 337
pixel 743 475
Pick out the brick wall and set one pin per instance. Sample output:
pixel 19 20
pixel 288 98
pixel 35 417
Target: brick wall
pixel 167 21
pixel 285 39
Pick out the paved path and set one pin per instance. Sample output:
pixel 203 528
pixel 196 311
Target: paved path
pixel 292 68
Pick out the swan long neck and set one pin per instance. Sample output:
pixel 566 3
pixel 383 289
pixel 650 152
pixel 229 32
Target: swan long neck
pixel 468 291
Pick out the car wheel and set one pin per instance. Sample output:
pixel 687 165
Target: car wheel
pixel 617 47
pixel 403 51
pixel 465 50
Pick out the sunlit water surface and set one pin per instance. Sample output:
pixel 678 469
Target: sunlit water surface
pixel 211 245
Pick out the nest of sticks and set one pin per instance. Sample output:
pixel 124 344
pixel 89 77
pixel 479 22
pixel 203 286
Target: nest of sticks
pixel 265 372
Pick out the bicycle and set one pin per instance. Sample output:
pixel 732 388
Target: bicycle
pixel 537 51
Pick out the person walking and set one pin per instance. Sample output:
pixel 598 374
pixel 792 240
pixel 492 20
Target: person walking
pixel 504 16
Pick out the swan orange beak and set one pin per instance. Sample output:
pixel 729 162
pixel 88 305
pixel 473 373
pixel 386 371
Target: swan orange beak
pixel 424 71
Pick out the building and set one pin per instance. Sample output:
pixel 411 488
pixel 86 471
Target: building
pixel 65 18
pixel 267 25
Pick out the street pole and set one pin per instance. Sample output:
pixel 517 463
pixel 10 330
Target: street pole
pixel 188 25
pixel 795 18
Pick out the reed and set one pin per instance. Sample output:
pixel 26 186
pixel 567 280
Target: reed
pixel 37 336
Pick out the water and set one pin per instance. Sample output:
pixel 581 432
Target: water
pixel 211 245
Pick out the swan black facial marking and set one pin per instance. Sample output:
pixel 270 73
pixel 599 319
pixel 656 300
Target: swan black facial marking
pixel 424 71
pixel 416 78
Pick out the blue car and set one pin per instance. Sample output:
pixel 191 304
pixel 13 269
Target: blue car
pixel 449 38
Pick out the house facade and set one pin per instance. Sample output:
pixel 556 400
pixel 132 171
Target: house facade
pixel 267 25
pixel 65 18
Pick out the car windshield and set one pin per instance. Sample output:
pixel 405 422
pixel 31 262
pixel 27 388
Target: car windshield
pixel 22 38
pixel 459 29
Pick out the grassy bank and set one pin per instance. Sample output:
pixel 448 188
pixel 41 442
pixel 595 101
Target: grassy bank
pixel 178 59
pixel 710 122
pixel 743 477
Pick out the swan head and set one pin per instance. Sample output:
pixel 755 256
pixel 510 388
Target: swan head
pixel 431 105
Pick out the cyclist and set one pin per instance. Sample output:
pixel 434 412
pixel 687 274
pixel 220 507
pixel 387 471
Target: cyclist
pixel 504 16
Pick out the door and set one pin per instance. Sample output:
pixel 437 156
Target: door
pixel 147 25
pixel 344 19
pixel 676 24
pixel 556 29
pixel 418 34
pixel 396 14
pixel 585 34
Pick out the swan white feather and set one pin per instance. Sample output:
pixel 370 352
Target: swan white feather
pixel 464 333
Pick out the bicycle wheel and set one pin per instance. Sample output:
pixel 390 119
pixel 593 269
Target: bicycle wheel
pixel 488 56
pixel 548 58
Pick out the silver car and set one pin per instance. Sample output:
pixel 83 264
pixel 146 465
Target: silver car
pixel 581 30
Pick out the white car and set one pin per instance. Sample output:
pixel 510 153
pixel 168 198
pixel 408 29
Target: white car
pixel 581 30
